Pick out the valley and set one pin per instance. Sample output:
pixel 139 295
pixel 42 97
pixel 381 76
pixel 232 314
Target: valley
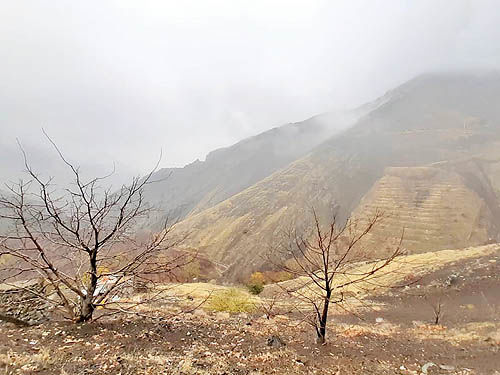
pixel 203 296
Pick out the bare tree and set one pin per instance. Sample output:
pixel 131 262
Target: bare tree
pixel 325 261
pixel 82 240
pixel 438 308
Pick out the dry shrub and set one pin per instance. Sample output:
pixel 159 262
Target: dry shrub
pixel 232 300
pixel 276 276
pixel 256 282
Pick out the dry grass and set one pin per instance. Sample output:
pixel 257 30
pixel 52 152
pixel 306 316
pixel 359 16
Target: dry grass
pixel 213 297
pixel 177 297
pixel 232 300
pixel 397 273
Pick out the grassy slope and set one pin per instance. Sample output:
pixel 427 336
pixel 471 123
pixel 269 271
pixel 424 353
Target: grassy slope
pixel 414 266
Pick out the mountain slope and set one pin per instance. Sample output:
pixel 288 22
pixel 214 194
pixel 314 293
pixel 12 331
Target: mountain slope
pixel 420 203
pixel 433 118
pixel 227 171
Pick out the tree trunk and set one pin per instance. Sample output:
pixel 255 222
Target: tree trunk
pixel 323 319
pixel 87 303
pixel 86 309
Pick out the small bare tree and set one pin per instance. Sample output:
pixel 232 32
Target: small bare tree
pixel 325 261
pixel 438 307
pixel 82 240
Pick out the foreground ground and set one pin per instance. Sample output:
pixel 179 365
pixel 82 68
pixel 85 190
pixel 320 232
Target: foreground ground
pixel 395 337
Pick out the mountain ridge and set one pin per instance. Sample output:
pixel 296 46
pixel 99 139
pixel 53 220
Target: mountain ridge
pixel 227 171
pixel 421 125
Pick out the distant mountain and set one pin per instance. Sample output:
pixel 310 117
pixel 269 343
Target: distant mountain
pixel 449 123
pixel 186 191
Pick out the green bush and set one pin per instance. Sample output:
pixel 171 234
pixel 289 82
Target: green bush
pixel 231 300
pixel 255 288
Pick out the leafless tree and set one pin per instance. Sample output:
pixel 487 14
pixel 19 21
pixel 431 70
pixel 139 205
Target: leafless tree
pixel 82 240
pixel 325 261
pixel 437 306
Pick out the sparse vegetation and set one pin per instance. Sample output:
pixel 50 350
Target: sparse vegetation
pixel 215 343
pixel 438 308
pixel 255 288
pixel 256 283
pixel 232 300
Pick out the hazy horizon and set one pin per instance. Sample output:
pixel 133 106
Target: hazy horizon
pixel 117 82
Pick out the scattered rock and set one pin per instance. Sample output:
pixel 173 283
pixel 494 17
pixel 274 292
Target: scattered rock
pixel 185 367
pixel 427 366
pixel 301 361
pixel 451 280
pixel 24 305
pixel 200 313
pixel 275 342
pixel 379 320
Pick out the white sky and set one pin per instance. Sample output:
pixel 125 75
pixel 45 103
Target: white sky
pixel 116 81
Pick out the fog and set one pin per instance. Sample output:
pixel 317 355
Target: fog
pixel 118 81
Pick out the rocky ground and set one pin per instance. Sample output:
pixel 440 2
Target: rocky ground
pixel 220 344
pixel 398 337
pixel 22 304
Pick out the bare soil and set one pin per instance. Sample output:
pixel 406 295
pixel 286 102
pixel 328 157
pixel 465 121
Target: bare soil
pixel 396 339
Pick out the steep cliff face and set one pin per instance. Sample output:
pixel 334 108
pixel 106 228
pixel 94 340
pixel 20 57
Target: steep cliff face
pixel 449 119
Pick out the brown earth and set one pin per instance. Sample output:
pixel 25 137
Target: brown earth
pixel 395 337
pixel 208 345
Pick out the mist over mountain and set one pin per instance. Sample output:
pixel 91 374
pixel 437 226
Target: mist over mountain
pixel 180 192
pixel 448 119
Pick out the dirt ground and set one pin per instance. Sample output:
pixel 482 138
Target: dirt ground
pixel 396 338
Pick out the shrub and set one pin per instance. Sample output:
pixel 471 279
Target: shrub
pixel 277 276
pixel 257 278
pixel 231 300
pixel 255 288
pixel 256 283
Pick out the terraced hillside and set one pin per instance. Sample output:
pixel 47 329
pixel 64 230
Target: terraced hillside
pixel 432 208
pixel 450 119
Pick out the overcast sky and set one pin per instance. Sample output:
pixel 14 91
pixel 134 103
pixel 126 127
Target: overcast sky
pixel 116 81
